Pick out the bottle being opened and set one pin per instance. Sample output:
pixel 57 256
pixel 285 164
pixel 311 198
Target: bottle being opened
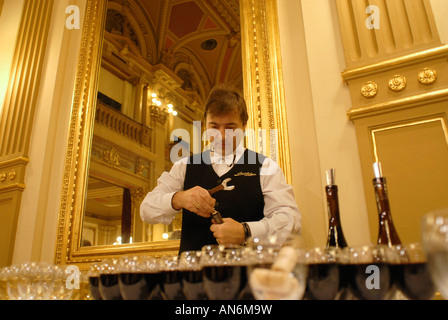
pixel 387 234
pixel 335 235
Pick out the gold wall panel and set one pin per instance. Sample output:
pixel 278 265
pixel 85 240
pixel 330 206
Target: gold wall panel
pixel 401 121
pixel 413 149
pixel 415 157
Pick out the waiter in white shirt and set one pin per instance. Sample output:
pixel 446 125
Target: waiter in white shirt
pixel 261 204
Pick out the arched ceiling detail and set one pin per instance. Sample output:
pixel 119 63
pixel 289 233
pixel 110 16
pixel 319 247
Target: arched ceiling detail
pixel 200 36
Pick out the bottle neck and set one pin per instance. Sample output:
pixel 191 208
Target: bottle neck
pixel 386 233
pixel 382 198
pixel 335 236
pixel 332 204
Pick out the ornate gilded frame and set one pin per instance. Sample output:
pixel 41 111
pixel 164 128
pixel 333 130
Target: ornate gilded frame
pixel 264 93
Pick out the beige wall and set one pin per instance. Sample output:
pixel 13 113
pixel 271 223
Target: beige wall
pixel 321 136
pixel 440 11
pixel 38 217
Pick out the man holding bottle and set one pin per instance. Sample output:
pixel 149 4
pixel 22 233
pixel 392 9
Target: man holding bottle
pixel 261 204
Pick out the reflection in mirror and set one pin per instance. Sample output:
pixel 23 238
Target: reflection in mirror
pixel 106 214
pixel 153 61
pixel 159 61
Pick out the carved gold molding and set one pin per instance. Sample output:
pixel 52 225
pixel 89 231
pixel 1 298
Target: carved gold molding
pixel 112 157
pixel 12 174
pixel 263 80
pixel 158 114
pixel 427 76
pixel 388 64
pixel 369 89
pixel 396 104
pixel 397 83
pixel 80 132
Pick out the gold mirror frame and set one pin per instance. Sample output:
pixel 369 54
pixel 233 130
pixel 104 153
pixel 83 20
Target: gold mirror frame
pixel 264 92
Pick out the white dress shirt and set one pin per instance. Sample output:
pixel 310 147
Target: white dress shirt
pixel 281 214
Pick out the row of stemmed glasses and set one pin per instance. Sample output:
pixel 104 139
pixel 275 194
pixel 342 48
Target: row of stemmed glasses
pixel 435 245
pixel 215 272
pixel 370 272
pixel 415 271
pixel 40 281
pixel 270 270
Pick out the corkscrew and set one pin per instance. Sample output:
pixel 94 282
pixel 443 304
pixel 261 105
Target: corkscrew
pixel 216 215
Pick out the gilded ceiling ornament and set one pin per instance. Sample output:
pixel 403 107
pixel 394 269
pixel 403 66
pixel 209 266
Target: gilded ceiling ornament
pixel 112 157
pixel 139 168
pixel 397 83
pixel 427 76
pixel 159 114
pixel 369 89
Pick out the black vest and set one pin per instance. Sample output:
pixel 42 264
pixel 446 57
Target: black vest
pixel 244 203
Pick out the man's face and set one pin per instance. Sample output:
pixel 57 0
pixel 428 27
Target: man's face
pixel 225 131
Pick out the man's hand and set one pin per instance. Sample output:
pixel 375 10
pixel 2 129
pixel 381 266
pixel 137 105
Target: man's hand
pixel 196 200
pixel 229 232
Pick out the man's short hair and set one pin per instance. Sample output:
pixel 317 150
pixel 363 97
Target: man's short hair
pixel 224 99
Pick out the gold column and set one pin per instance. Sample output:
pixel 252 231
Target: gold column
pixel 397 75
pixel 16 121
pixel 139 232
pixel 263 81
pixel 139 91
pixel 403 26
pixel 158 124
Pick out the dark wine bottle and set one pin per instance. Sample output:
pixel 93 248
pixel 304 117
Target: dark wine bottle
pixel 387 234
pixel 335 235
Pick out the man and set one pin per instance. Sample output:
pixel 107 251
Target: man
pixel 260 205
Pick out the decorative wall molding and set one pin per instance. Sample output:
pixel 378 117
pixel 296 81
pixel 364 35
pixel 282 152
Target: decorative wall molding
pixel 17 115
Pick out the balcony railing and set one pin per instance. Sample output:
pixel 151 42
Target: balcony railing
pixel 122 124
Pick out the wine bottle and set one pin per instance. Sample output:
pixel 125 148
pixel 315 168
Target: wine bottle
pixel 335 235
pixel 386 234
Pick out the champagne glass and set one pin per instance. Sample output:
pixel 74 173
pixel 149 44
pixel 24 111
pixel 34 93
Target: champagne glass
pixel 3 279
pixel 109 274
pixel 365 272
pixel 35 281
pixel 60 290
pixel 131 279
pixel 12 279
pixel 411 273
pixel 323 280
pixel 192 280
pixel 84 288
pixel 45 280
pixel 26 281
pixel 171 283
pixel 93 274
pixel 435 245
pixel 277 270
pixel 222 269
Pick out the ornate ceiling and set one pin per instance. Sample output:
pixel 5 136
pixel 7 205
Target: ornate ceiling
pixel 198 40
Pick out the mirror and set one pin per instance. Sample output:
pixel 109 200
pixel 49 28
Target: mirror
pixel 145 95
pixel 139 80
